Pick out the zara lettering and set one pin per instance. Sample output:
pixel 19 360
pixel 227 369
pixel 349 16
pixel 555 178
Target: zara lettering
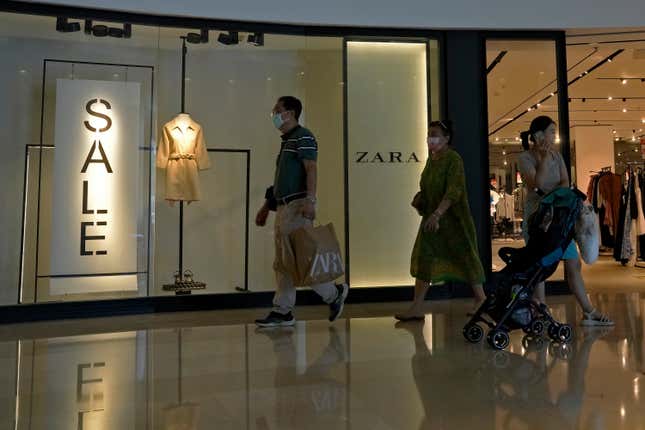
pixel 104 163
pixel 324 263
pixel 386 157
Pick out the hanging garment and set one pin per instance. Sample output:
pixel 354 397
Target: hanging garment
pixel 623 250
pixel 520 199
pixel 640 213
pixel 505 207
pixel 182 153
pixel 494 199
pixel 605 191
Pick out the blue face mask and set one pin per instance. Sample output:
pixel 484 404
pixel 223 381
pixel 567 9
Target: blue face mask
pixel 277 120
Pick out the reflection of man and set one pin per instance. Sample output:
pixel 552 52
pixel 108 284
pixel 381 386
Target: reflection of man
pixel 314 394
pixel 293 196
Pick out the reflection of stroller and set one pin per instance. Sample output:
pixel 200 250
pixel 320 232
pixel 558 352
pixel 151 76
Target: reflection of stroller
pixel 510 306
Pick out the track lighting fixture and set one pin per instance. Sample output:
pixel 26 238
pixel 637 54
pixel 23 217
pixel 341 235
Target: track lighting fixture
pixel 63 26
pixel 256 39
pixel 100 30
pixel 197 38
pixel 230 38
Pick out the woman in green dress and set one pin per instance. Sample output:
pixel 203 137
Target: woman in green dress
pixel 446 245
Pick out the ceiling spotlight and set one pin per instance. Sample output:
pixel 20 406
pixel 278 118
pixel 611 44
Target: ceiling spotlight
pixel 121 33
pixel 614 131
pixel 256 39
pixel 505 163
pixel 610 98
pixel 552 94
pixel 624 81
pixel 100 30
pixel 624 110
pixel 609 60
pixel 230 38
pixel 643 121
pixel 497 139
pixel 63 26
pixel 503 152
pixel 197 38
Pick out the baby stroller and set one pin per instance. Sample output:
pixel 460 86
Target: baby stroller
pixel 510 306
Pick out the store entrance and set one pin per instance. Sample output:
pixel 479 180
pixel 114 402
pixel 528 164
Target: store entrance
pixel 607 112
pixel 522 83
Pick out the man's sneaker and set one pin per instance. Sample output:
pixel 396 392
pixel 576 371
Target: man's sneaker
pixel 276 319
pixel 336 308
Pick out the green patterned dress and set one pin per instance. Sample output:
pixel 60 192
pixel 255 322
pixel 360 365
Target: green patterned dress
pixel 449 254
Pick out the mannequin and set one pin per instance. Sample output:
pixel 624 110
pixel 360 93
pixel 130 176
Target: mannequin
pixel 182 152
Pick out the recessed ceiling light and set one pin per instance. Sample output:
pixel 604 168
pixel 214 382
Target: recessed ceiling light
pixel 624 81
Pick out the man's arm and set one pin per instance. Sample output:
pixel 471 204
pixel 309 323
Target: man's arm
pixel 309 211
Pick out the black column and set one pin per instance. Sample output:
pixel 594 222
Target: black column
pixel 466 106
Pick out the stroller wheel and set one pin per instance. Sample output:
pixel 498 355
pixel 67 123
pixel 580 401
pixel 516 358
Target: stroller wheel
pixel 537 327
pixel 473 333
pixel 565 333
pixel 498 339
pixel 552 331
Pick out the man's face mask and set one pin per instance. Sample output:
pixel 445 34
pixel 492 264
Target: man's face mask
pixel 278 122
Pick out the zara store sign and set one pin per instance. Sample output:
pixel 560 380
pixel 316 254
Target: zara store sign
pixel 390 157
pixel 95 202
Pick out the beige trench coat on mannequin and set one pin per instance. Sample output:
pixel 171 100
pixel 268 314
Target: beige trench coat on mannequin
pixel 182 153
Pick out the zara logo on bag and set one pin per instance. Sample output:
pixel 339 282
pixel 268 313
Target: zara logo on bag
pixel 328 262
pixel 391 157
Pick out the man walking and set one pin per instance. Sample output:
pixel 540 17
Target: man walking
pixel 293 196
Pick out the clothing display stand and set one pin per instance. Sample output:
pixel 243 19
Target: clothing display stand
pixel 184 283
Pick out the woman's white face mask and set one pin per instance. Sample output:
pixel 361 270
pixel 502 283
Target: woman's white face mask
pixel 436 142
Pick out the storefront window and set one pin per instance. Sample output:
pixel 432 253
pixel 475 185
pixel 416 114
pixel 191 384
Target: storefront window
pixel 96 212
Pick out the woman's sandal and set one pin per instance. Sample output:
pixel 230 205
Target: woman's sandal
pixel 595 319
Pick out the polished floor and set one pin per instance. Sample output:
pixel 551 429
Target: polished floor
pixel 210 371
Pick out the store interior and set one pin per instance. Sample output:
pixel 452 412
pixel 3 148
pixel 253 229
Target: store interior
pixel 606 90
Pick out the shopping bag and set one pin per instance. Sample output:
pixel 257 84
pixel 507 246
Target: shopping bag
pixel 587 234
pixel 317 255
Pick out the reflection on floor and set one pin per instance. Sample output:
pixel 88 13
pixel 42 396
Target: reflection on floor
pixel 363 372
